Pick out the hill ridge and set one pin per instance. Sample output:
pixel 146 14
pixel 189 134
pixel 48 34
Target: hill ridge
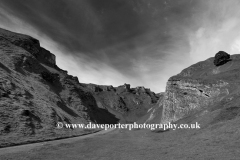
pixel 36 94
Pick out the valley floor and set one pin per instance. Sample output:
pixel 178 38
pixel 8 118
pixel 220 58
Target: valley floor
pixel 219 141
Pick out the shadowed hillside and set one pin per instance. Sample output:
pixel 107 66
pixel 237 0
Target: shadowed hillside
pixel 35 94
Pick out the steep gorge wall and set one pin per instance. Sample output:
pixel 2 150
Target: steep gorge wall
pixel 35 94
pixel 184 97
pixel 200 87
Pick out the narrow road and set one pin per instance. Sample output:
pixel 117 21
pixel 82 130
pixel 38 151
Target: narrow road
pixel 27 147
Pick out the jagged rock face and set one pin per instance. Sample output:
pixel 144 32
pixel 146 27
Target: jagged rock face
pixel 46 57
pixel 35 94
pixel 200 87
pixel 185 97
pixel 128 104
pixel 23 41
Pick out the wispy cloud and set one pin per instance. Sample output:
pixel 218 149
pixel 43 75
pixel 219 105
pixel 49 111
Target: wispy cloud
pixel 121 41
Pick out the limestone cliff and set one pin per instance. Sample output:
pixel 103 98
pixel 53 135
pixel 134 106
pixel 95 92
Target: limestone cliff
pixel 199 88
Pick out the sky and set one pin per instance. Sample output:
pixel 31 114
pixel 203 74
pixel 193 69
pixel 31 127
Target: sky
pixel 139 42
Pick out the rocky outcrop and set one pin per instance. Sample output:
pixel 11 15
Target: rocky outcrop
pixel 46 57
pixel 185 97
pixel 199 88
pixel 128 104
pixel 99 88
pixel 123 88
pixel 221 58
pixel 28 43
pixel 31 45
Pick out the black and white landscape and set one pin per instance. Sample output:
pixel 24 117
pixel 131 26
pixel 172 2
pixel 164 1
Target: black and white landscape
pixel 119 61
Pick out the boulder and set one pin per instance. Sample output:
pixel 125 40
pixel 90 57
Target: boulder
pixel 221 58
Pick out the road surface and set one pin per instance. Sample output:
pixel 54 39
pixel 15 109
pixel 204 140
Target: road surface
pixel 27 147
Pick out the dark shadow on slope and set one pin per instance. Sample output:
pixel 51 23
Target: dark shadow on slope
pixel 102 116
pixel 28 95
pixel 5 68
pixel 32 121
pixel 21 71
pixel 98 115
pixel 53 81
pixel 67 109
pixel 227 114
pixel 160 130
pixel 31 115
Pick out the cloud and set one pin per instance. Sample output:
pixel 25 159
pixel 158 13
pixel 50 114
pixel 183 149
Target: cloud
pixel 217 28
pixel 127 41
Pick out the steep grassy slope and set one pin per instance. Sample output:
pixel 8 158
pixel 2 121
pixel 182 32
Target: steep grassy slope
pixel 203 88
pixel 35 94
